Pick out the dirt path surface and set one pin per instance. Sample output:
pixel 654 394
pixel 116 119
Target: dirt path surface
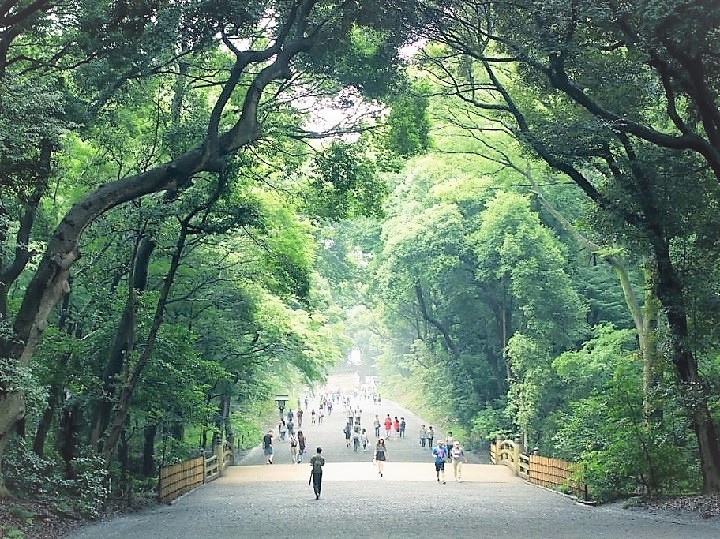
pixel 257 500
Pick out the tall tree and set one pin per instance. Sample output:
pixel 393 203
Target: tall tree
pixel 610 135
pixel 261 45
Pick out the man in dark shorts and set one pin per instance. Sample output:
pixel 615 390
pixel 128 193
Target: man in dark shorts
pixel 439 456
pixel 316 464
pixel 268 447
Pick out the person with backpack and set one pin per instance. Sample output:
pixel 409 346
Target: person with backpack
pixel 439 456
pixel 268 447
pixel 316 464
pixel 356 439
pixel 376 426
pixel 301 445
pixel 364 439
pixel 347 431
pixel 294 448
pixel 458 457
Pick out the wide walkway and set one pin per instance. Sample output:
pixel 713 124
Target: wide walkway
pixel 255 500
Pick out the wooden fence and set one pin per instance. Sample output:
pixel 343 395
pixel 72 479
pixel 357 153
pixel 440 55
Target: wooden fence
pixel 176 480
pixel 552 473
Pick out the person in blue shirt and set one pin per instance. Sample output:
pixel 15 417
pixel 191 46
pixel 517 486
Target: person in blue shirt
pixel 439 456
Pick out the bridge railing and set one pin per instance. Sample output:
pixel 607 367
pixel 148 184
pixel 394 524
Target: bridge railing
pixel 176 480
pixel 547 472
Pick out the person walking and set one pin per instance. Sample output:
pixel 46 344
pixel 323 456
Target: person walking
pixel 364 439
pixel 457 454
pixel 282 429
pixel 347 431
pixel 449 441
pixel 299 416
pixel 403 424
pixel 423 436
pixel 376 425
pixel 388 426
pixel 312 416
pixel 301 445
pixel 430 437
pixel 356 439
pixel 439 456
pixel 268 447
pixel 380 456
pixel 396 427
pixel 316 470
pixel 294 449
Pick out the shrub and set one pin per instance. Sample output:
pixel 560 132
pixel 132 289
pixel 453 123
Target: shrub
pixel 31 476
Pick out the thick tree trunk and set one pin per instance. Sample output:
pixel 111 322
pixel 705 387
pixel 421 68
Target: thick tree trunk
pixel 149 434
pixel 50 280
pixel 670 294
pixel 46 420
pixel 13 413
pixel 124 341
pixel 122 408
pixel 70 435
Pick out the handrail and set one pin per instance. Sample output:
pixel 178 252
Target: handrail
pixel 176 480
pixel 539 470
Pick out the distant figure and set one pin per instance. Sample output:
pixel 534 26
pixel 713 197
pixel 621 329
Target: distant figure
pixel 364 439
pixel 293 448
pixel 290 416
pixel 347 431
pixel 356 439
pixel 312 416
pixel 439 456
pixel 388 426
pixel 282 429
pixel 396 427
pixel 430 437
pixel 423 436
pixel 458 457
pixel 301 445
pixel 268 447
pixel 403 424
pixel 380 456
pixel 376 426
pixel 316 464
pixel 449 440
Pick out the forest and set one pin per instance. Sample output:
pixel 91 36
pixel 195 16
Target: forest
pixel 509 208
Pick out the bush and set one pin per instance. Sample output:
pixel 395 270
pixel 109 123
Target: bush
pixel 34 477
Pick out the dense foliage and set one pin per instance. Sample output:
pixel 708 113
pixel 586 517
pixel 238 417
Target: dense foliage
pixel 518 226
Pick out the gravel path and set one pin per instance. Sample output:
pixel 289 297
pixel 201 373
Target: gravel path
pixel 256 500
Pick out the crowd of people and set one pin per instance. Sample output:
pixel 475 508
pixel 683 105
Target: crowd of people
pixel 360 437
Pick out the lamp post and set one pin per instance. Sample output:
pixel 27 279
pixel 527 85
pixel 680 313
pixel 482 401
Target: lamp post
pixel 281 401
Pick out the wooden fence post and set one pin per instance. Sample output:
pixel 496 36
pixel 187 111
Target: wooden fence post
pixel 517 449
pixel 220 452
pixel 204 466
